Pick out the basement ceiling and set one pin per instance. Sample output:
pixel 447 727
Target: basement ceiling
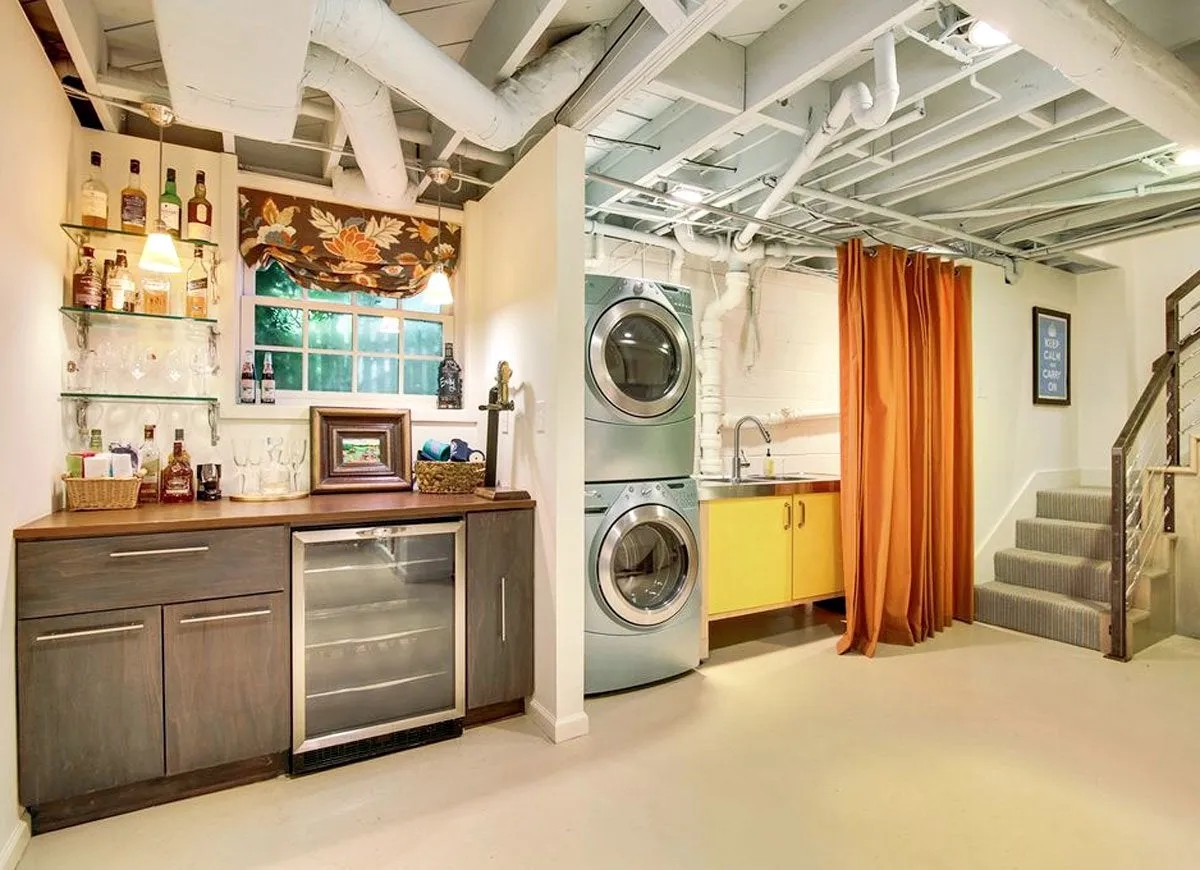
pixel 991 153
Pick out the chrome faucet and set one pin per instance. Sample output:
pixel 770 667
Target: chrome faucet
pixel 739 460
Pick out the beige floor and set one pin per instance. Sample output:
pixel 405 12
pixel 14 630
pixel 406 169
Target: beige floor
pixel 981 749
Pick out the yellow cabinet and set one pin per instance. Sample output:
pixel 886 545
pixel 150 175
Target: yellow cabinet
pixel 748 554
pixel 816 546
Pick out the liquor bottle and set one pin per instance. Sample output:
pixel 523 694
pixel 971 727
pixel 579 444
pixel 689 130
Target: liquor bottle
pixel 151 464
pixel 267 388
pixel 246 397
pixel 196 293
pixel 178 482
pixel 170 206
pixel 86 289
pixel 93 196
pixel 449 380
pixel 133 201
pixel 156 294
pixel 199 210
pixel 96 444
pixel 121 292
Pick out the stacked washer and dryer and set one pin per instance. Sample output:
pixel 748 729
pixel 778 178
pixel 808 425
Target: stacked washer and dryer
pixel 642 511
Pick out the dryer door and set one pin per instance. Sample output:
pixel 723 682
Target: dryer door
pixel 648 565
pixel 640 358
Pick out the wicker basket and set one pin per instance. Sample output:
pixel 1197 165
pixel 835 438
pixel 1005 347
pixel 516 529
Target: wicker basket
pixel 101 493
pixel 449 477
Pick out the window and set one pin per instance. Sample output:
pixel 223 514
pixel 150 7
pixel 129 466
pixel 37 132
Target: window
pixel 326 342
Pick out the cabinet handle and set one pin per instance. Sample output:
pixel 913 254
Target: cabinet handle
pixel 803 515
pixel 787 515
pixel 221 617
pixel 169 551
pixel 591 493
pixel 90 632
pixel 382 532
pixel 503 610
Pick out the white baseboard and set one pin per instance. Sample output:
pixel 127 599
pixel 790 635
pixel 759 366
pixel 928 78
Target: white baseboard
pixel 557 730
pixel 15 843
pixel 1024 504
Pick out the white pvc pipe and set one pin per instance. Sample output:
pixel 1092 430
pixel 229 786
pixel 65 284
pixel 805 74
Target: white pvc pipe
pixel 855 101
pixel 718 249
pixel 737 286
pixel 599 228
pixel 386 46
pixel 1098 199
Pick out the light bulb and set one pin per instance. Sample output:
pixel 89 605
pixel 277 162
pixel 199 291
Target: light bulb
pixel 1188 157
pixel 159 254
pixel 689 195
pixel 983 35
pixel 437 288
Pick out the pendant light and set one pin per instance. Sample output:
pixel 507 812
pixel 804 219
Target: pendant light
pixel 437 285
pixel 159 254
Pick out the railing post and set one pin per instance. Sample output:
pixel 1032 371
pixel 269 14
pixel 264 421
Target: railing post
pixel 1174 424
pixel 1118 635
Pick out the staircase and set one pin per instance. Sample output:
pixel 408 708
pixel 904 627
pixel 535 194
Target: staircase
pixel 1056 582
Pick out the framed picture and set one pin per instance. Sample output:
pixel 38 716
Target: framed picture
pixel 1051 357
pixel 361 450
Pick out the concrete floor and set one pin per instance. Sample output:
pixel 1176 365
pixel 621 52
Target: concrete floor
pixel 979 749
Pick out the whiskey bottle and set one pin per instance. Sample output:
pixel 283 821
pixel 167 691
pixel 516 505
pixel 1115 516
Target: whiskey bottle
pixel 121 292
pixel 196 293
pixel 449 380
pixel 151 465
pixel 93 197
pixel 267 388
pixel 178 482
pixel 199 211
pixel 87 291
pixel 170 206
pixel 133 201
pixel 246 395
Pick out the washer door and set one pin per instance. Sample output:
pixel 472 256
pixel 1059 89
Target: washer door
pixel 640 358
pixel 648 565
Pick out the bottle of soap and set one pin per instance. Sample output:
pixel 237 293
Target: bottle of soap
pixel 768 464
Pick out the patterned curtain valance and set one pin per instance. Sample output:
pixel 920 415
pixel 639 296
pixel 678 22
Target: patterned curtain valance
pixel 338 247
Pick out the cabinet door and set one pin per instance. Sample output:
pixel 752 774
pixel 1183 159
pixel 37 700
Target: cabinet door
pixel 817 537
pixel 226 680
pixel 89 702
pixel 748 548
pixel 499 607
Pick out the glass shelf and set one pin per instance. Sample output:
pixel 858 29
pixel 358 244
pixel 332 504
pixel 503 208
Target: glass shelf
pixel 78 314
pixel 132 397
pixel 79 234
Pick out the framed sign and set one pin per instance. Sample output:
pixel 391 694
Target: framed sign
pixel 360 450
pixel 1051 357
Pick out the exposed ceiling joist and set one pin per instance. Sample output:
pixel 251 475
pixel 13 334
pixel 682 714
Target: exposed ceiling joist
pixel 712 72
pixel 79 25
pixel 1051 229
pixel 668 13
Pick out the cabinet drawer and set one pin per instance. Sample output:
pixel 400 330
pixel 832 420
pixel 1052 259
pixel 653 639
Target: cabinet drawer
pixel 78 576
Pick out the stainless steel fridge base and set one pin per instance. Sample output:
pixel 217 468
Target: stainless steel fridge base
pixel 372 747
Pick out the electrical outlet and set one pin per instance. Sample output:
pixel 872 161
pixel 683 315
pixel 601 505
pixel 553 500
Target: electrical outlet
pixel 539 417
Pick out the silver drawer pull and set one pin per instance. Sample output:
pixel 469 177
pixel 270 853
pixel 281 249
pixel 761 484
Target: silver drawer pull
pixel 169 551
pixel 90 632
pixel 382 532
pixel 503 610
pixel 220 617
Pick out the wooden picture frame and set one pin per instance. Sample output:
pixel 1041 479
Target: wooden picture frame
pixel 361 450
pixel 1051 357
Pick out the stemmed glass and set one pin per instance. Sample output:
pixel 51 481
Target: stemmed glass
pixel 241 458
pixel 297 451
pixel 202 365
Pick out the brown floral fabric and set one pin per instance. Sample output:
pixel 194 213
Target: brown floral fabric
pixel 337 247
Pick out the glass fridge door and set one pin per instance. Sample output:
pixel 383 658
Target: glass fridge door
pixel 378 631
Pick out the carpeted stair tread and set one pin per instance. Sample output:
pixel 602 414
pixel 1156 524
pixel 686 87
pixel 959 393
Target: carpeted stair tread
pixel 1084 504
pixel 1065 537
pixel 1035 611
pixel 1073 576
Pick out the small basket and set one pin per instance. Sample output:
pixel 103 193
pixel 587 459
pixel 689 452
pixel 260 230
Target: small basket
pixel 449 477
pixel 101 493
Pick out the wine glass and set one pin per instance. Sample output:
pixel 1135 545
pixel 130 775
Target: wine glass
pixel 297 451
pixel 241 458
pixel 174 370
pixel 202 365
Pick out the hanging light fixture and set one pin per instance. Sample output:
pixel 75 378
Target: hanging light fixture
pixel 159 254
pixel 437 285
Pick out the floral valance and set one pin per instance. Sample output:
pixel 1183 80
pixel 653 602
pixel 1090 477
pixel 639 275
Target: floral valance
pixel 338 247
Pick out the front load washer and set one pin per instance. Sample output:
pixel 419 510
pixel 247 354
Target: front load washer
pixel 640 402
pixel 642 617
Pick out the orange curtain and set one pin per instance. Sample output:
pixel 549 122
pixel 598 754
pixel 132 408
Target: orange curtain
pixel 906 437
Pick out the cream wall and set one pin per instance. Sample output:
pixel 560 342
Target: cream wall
pixel 35 141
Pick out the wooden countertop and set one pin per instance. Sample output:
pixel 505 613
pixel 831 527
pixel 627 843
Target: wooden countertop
pixel 312 511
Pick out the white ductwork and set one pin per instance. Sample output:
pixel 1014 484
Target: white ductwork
pixel 599 228
pixel 855 101
pixel 1099 49
pixel 712 398
pixel 720 250
pixel 386 46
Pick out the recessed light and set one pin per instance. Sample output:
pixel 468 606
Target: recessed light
pixel 983 35
pixel 690 195
pixel 1188 157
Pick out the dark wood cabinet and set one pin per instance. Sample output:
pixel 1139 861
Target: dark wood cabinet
pixel 89 702
pixel 499 607
pixel 226 679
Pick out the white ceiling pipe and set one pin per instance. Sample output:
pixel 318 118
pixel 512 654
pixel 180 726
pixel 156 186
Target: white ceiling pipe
pixel 719 249
pixel 387 47
pixel 1099 49
pixel 737 288
pixel 855 101
pixel 599 228
pixel 1098 199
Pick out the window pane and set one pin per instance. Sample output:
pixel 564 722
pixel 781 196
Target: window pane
pixel 289 369
pixel 373 337
pixel 416 303
pixel 282 327
pixel 329 372
pixel 329 296
pixel 378 374
pixel 329 331
pixel 370 300
pixel 420 377
pixel 273 281
pixel 422 338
